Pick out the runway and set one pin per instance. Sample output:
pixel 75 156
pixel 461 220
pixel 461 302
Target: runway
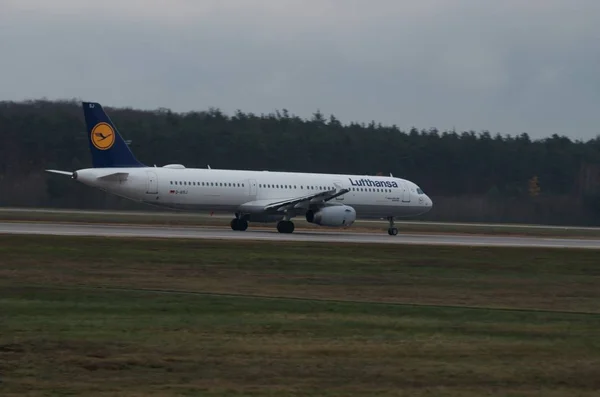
pixel 86 229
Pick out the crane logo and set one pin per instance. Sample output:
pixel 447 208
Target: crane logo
pixel 103 136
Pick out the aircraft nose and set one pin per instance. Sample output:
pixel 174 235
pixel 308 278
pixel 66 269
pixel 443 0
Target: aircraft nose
pixel 427 203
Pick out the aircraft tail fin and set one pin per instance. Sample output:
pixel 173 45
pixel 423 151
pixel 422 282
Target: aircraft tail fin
pixel 106 144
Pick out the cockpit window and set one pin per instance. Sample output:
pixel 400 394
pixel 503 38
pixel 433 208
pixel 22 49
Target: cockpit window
pixel 419 191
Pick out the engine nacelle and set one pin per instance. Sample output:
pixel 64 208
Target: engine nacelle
pixel 338 215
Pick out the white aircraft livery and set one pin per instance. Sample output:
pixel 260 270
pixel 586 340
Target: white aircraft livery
pixel 253 196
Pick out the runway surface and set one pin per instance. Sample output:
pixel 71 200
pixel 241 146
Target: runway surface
pixel 399 222
pixel 80 229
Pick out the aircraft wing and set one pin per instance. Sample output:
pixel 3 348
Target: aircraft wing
pixel 321 196
pixel 282 205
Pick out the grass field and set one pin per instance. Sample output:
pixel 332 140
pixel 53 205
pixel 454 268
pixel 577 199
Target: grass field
pixel 195 219
pixel 116 317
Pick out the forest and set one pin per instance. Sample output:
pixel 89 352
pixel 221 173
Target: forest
pixel 471 175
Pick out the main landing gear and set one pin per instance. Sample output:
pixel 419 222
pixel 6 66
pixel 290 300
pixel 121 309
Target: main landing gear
pixel 285 227
pixel 239 224
pixel 392 231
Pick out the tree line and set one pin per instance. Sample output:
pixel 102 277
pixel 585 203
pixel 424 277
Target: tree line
pixel 471 175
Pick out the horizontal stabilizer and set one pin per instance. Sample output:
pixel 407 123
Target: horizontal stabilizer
pixel 67 173
pixel 115 176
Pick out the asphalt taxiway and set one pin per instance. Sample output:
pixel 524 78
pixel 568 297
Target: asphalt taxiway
pixel 86 229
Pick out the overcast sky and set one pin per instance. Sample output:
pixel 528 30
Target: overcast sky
pixel 504 66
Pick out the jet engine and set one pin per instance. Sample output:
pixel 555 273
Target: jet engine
pixel 338 215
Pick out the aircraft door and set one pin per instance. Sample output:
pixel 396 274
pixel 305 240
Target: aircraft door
pixel 339 186
pixel 152 183
pixel 252 187
pixel 405 193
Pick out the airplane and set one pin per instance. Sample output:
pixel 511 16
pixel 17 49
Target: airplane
pixel 330 200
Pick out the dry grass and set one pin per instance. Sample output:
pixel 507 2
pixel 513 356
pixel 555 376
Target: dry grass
pixel 560 279
pixel 60 336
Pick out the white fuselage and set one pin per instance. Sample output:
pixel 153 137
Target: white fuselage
pixel 228 190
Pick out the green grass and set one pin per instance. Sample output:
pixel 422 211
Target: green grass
pixel 195 219
pixel 86 316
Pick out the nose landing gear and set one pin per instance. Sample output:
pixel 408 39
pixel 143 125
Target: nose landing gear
pixel 392 231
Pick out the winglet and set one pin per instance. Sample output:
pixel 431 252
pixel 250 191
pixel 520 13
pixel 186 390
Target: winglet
pixel 106 144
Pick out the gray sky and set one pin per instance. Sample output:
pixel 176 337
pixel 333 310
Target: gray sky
pixel 507 66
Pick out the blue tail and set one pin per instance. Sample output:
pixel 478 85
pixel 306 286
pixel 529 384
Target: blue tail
pixel 106 144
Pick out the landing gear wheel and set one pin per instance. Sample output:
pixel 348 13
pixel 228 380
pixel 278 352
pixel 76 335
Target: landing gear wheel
pixel 239 224
pixel 285 227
